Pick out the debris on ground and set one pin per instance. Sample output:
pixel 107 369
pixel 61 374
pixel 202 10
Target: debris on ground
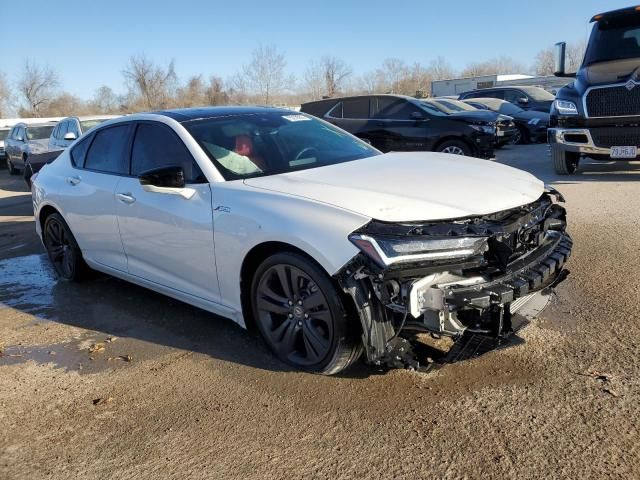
pixel 96 348
pixel 102 401
pixel 603 377
pixel 124 358
pixel 611 392
pixel 111 339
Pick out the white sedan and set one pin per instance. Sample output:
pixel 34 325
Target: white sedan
pixel 284 222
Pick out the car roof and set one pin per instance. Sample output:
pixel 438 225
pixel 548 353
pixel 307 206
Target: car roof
pixel 615 13
pixel 199 113
pixel 82 118
pixel 339 99
pixel 42 124
pixel 487 100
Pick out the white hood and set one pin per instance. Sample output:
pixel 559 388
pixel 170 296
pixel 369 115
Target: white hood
pixel 411 186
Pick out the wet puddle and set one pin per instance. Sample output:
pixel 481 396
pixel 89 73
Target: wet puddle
pixel 26 284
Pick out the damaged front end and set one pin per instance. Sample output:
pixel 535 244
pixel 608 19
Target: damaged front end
pixel 455 278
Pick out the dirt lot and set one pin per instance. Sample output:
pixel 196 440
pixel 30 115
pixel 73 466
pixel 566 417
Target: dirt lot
pixel 181 393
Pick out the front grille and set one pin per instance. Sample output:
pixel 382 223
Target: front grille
pixel 613 102
pixel 616 137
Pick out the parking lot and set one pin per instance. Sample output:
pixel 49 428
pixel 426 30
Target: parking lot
pixel 108 380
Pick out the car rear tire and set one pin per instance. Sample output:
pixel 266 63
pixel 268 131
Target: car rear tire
pixel 301 316
pixel 521 137
pixel 12 170
pixel 564 163
pixel 63 250
pixel 455 147
pixel 28 173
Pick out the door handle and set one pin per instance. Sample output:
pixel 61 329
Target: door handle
pixel 74 180
pixel 125 197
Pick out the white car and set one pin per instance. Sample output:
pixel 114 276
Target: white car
pixel 70 129
pixel 279 220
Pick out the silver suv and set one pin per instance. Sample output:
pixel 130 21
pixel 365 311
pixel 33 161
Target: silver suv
pixel 24 140
pixel 71 128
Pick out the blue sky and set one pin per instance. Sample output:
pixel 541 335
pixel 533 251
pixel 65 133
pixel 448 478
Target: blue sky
pixel 88 43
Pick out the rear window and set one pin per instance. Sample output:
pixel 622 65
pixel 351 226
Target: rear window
pixel 108 151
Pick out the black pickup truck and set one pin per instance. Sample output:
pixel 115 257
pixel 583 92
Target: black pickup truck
pixel 598 115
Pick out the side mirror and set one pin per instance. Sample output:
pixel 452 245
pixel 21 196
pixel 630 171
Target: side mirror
pixel 417 116
pixel 559 59
pixel 167 177
pixel 69 136
pixel 523 100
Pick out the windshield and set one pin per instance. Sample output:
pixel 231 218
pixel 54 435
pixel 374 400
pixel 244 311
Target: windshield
pixel 614 39
pixel 538 94
pixel 4 134
pixel 433 108
pixel 455 105
pixel 267 143
pixel 39 133
pixel 89 124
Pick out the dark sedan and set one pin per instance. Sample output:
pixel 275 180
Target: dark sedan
pixel 532 125
pixel 400 123
pixel 505 127
pixel 525 97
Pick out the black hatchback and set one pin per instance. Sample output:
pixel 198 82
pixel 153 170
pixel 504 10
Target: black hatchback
pixel 399 123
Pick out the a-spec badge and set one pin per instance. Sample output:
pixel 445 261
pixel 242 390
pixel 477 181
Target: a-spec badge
pixel 630 85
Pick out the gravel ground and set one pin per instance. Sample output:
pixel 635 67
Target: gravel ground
pixel 180 393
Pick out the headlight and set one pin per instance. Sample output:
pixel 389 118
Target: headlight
pixel 387 251
pixel 565 107
pixel 484 128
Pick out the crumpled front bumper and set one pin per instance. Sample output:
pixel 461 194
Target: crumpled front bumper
pixel 526 275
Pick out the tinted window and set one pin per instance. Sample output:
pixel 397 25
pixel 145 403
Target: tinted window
pixel 156 146
pixel 513 95
pixel 335 112
pixel 614 39
pixel 73 127
pixel 355 108
pixel 108 150
pixel 79 151
pixel 394 108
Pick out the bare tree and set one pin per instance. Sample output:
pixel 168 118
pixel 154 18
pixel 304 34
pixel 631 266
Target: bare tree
pixel 5 96
pixel 575 53
pixel 104 101
pixel 37 85
pixel 215 92
pixel 313 81
pixel 265 74
pixel 493 66
pixel 335 72
pixel 440 69
pixel 544 63
pixel 154 84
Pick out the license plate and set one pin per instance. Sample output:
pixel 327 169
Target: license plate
pixel 500 133
pixel 624 152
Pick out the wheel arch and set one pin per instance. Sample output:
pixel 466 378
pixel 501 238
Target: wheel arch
pixel 457 138
pixel 258 254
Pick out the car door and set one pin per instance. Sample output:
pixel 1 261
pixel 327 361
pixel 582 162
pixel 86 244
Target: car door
pixel 9 143
pixel 60 135
pixel 20 146
pixel 352 115
pixel 100 162
pixel 400 125
pixel 167 233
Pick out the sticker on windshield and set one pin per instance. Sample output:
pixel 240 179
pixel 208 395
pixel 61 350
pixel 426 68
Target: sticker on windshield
pixel 296 118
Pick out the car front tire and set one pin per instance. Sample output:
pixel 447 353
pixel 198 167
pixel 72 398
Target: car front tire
pixel 301 316
pixel 63 250
pixel 455 147
pixel 12 170
pixel 564 163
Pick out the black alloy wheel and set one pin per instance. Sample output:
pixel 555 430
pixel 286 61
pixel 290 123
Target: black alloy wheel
pixel 63 251
pixel 300 315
